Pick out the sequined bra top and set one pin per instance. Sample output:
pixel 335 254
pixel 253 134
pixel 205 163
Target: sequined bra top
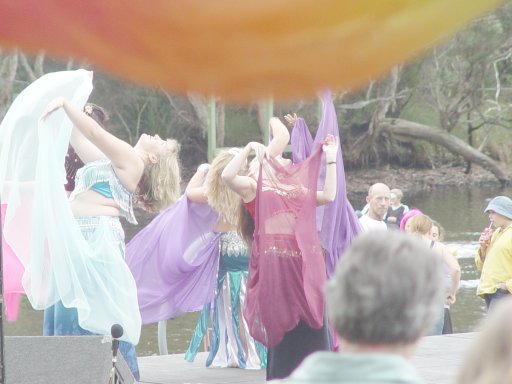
pixel 99 173
pixel 232 245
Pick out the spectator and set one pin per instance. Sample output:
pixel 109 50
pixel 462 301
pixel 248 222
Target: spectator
pixel 494 257
pixel 378 203
pixel 396 209
pixel 421 225
pixel 412 212
pixel 437 234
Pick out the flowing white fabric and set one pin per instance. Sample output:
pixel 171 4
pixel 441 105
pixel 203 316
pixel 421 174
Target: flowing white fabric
pixel 59 263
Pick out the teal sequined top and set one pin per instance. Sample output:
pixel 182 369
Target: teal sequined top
pixel 99 176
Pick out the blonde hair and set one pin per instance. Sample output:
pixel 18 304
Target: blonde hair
pixel 160 183
pixel 220 197
pixel 397 192
pixel 420 224
pixel 488 358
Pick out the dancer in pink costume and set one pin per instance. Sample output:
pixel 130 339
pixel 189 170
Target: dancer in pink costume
pixel 285 302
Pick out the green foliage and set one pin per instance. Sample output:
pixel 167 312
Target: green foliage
pixel 241 127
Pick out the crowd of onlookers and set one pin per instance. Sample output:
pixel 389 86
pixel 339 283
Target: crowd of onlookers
pixel 395 283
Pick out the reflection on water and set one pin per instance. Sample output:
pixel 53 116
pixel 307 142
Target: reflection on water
pixel 459 211
pixel 468 309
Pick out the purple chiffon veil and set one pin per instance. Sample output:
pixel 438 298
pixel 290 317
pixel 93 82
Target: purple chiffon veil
pixel 174 261
pixel 337 222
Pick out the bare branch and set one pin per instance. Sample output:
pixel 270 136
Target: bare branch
pixel 125 126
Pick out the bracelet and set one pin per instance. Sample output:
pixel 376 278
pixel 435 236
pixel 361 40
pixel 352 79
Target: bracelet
pixel 331 162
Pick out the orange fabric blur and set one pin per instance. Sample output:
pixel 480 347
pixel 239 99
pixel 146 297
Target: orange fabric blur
pixel 240 50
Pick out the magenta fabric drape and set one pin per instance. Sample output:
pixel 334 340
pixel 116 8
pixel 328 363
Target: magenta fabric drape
pixel 287 268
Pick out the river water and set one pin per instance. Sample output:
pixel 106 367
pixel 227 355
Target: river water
pixel 460 212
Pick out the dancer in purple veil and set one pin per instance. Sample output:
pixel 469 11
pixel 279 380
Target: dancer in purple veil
pixel 178 274
pixel 337 222
pixel 174 261
pixel 285 303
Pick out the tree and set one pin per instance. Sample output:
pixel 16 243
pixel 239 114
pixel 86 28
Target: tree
pixel 462 84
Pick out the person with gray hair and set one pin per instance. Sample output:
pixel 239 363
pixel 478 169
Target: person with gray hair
pixel 384 296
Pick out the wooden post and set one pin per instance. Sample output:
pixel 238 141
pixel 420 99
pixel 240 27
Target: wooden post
pixel 268 112
pixel 212 129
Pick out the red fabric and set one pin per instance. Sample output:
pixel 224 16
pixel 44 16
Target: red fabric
pixel 251 207
pixel 287 267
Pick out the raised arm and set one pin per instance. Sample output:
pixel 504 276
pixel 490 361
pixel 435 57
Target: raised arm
pixel 86 151
pixel 244 186
pixel 127 164
pixel 280 137
pixel 196 189
pixel 328 194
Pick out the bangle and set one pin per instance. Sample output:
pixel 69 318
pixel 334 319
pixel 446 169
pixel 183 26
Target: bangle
pixel 331 162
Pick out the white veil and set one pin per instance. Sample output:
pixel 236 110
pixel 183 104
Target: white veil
pixel 39 225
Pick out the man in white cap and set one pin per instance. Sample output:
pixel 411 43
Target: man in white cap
pixel 494 257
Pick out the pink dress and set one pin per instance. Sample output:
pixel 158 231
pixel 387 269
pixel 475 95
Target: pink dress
pixel 287 266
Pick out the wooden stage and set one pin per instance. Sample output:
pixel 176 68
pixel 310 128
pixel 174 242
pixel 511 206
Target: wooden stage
pixel 437 359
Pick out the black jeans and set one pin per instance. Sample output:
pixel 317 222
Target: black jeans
pixel 491 297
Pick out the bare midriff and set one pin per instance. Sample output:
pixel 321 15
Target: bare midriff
pixel 90 203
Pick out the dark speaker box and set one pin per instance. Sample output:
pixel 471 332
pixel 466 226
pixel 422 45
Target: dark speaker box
pixel 62 359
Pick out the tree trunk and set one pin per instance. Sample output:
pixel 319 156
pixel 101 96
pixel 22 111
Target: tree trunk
pixel 455 145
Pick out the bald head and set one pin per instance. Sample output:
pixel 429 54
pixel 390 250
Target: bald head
pixel 378 200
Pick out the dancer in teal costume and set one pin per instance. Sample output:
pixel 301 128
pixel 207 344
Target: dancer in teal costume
pixel 98 176
pixel 226 346
pixel 72 251
pixel 231 345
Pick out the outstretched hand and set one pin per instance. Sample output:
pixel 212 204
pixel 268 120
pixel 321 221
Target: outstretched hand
pixel 52 107
pixel 330 148
pixel 291 119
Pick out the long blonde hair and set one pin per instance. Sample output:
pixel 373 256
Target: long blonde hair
pixel 221 198
pixel 160 183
